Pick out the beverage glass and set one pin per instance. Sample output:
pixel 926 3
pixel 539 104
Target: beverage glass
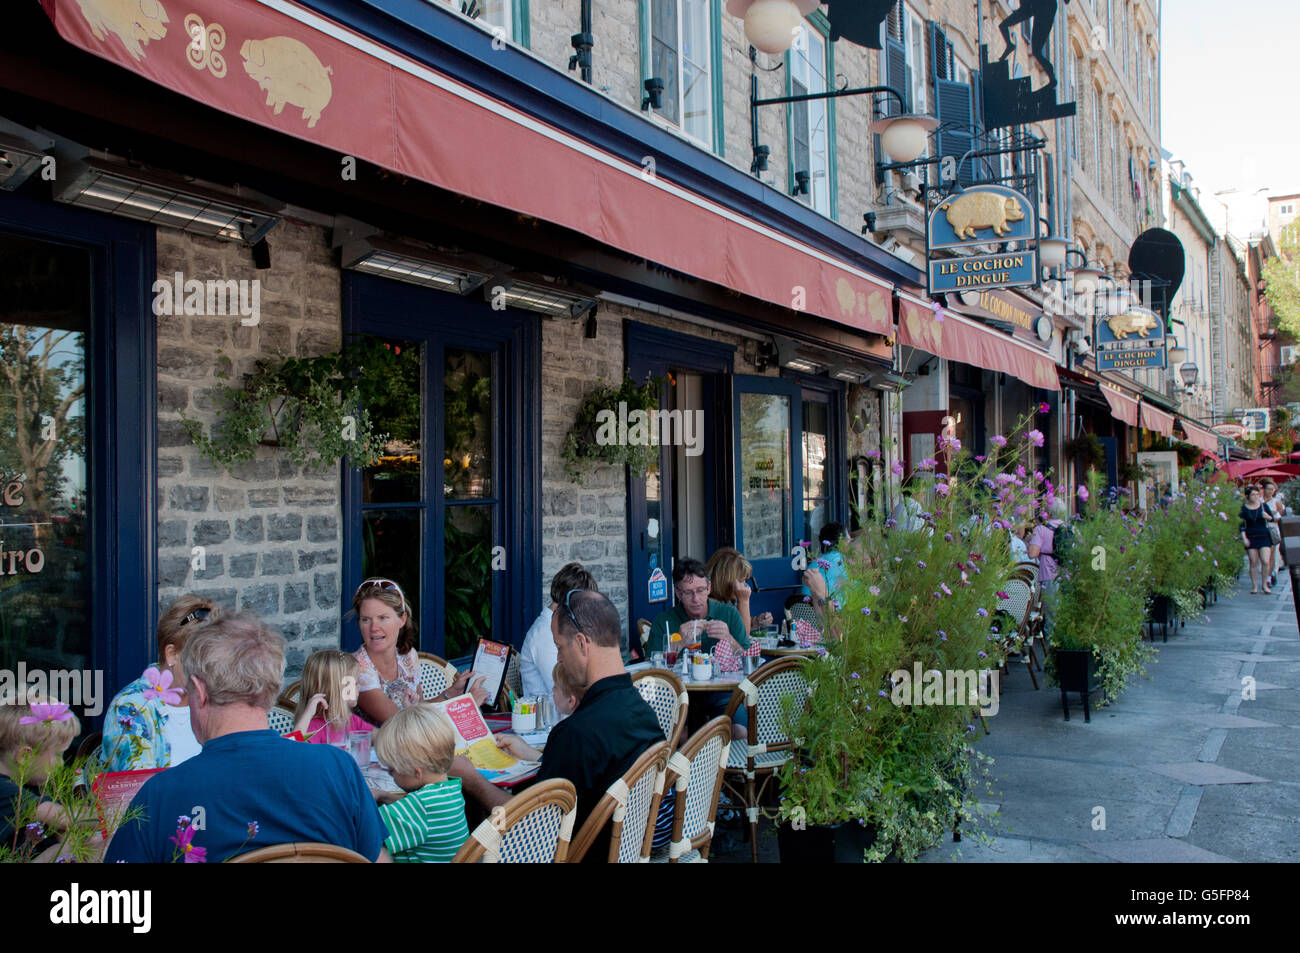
pixel 657 660
pixel 359 744
pixel 336 735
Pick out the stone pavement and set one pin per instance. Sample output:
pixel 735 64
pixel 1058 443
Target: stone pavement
pixel 1186 766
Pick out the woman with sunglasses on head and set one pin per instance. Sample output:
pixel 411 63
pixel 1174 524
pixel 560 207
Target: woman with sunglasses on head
pixel 147 725
pixel 389 675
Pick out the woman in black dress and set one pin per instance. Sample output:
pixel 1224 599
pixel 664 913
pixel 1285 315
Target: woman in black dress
pixel 1255 517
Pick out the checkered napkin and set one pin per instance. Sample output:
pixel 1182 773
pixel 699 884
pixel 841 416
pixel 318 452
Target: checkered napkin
pixel 806 633
pixel 728 659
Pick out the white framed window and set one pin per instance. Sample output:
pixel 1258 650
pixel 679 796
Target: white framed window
pixel 959 71
pixel 810 121
pixel 1114 166
pixel 493 14
pixel 681 54
pixel 1097 133
pixel 1072 80
pixel 1151 88
pixel 914 41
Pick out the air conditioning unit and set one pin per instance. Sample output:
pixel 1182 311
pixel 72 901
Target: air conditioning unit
pixel 1289 354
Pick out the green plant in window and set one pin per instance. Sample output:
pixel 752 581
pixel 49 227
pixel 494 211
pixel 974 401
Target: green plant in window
pixel 467 592
pixel 596 438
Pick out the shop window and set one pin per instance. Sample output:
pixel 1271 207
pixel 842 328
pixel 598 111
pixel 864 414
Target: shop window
pixel 681 52
pixel 811 147
pixel 820 453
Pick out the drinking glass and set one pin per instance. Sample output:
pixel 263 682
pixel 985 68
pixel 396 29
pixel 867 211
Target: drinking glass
pixel 336 735
pixel 657 660
pixel 359 744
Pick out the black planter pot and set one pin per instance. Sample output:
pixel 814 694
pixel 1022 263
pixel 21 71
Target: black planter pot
pixel 838 844
pixel 1159 610
pixel 1076 672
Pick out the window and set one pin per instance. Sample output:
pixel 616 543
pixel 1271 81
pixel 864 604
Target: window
pixel 1072 81
pixel 510 17
pixel 904 57
pixel 915 41
pixel 810 146
pixel 681 54
pixel 1114 166
pixel 1151 88
pixel 1096 133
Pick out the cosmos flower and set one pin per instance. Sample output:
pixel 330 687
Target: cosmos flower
pixel 982 612
pixel 1035 437
pixel 1083 494
pixel 160 686
pixel 896 468
pixel 46 713
pixel 998 440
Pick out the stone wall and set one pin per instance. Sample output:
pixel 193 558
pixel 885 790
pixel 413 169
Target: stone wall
pixel 270 531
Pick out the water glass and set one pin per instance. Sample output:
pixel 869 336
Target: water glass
pixel 657 660
pixel 336 735
pixel 359 744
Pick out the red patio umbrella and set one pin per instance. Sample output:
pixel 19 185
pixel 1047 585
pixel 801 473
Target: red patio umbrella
pixel 1275 473
pixel 1236 469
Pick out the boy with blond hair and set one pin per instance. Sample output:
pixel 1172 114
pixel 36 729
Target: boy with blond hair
pixel 427 824
pixel 34 733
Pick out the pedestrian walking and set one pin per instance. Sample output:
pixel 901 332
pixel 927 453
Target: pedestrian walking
pixel 1255 520
pixel 1273 500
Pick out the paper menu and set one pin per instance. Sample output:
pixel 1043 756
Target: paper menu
pixel 473 737
pixel 114 792
pixel 490 659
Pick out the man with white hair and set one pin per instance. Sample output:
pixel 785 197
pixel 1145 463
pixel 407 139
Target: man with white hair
pixel 248 787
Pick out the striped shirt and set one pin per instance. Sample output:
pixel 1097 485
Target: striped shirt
pixel 427 826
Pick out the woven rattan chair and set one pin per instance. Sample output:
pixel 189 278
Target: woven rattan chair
pixel 535 828
pixel 280 720
pixel 289 697
pixel 1016 607
pixel 695 781
pixel 753 762
pixel 89 750
pixel 667 698
pixel 436 675
pixel 300 853
pixel 629 807
pixel 799 611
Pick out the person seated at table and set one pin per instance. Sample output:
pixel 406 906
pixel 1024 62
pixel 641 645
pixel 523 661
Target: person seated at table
pixel 389 676
pixel 256 788
pixel 1019 551
pixel 825 578
pixel 426 825
pixel 568 696
pixel 537 657
pixel 147 724
pixel 326 695
pixel 729 575
pixel 611 727
pixel 696 616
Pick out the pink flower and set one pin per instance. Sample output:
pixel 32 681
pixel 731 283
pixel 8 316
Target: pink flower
pixel 942 489
pixel 1044 407
pixel 897 468
pixel 46 713
pixel 927 464
pixel 938 312
pixel 1083 494
pixel 998 440
pixel 184 844
pixel 160 686
pixel 1035 437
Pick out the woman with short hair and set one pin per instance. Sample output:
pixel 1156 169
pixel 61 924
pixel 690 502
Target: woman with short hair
pixel 729 575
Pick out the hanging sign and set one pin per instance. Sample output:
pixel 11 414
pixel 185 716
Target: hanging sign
pixel 658 586
pixel 983 215
pixel 1134 339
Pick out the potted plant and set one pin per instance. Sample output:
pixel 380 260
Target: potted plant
pixel 598 437
pixel 1087 451
pixel 883 741
pixel 1096 605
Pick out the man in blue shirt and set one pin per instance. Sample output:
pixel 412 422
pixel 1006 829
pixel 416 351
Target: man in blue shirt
pixel 249 787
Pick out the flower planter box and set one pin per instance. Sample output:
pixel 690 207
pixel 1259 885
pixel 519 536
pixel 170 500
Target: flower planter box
pixel 1159 611
pixel 1076 672
pixel 816 844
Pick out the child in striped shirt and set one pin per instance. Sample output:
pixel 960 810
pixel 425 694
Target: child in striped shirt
pixel 427 824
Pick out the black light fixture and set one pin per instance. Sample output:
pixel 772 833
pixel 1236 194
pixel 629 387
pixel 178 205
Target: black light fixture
pixel 262 254
pixel 654 88
pixel 801 181
pixel 869 222
pixel 582 42
pixel 589 330
pixel 761 154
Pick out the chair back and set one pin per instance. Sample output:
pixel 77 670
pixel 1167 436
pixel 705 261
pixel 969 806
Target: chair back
pixel 89 750
pixel 643 630
pixel 289 697
pixel 300 853
pixel 664 692
pixel 280 720
pixel 804 612
pixel 1016 605
pixel 436 675
pixel 628 806
pixel 535 828
pixel 514 678
pixel 1030 569
pixel 761 694
pixel 695 780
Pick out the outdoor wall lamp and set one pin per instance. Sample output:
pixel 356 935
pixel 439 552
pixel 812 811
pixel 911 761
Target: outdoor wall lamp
pixel 1189 372
pixel 654 88
pixel 801 182
pixel 1177 353
pixel 1052 248
pixel 772 25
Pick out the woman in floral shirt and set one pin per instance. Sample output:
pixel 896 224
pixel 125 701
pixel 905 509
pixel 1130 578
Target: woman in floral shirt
pixel 148 724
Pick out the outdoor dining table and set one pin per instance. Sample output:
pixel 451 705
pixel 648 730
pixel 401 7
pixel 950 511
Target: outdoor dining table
pixel 720 683
pixel 378 778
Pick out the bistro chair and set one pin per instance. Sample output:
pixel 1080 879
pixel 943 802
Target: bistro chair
pixel 514 678
pixel 88 751
pixel 280 720
pixel 300 853
pixel 535 828
pixel 797 609
pixel 695 780
pixel 753 762
pixel 629 806
pixel 436 675
pixel 1016 608
pixel 643 631
pixel 667 697
pixel 289 697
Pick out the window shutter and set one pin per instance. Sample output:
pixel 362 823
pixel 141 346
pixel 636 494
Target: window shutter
pixel 1049 190
pixel 894 23
pixel 938 55
pixel 954 105
pixel 897 74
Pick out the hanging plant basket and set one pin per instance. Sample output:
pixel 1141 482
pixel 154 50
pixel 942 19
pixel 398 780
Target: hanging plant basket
pixel 615 426
pixel 1087 450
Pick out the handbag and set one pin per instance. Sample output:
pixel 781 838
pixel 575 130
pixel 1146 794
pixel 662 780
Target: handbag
pixel 1274 533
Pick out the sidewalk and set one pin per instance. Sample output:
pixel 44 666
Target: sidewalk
pixel 1184 767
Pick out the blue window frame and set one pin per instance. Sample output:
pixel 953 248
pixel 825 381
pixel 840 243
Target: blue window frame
pixel 121 438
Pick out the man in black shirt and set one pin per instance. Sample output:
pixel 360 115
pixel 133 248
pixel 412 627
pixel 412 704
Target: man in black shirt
pixel 611 728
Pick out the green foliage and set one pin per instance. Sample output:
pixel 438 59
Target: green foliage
pixel 864 751
pixel 1100 598
pixel 467 596
pixel 1087 450
pixel 317 408
pixel 1283 283
pixel 582 449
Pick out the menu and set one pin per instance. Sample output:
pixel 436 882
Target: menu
pixel 490 660
pixel 474 740
pixel 114 792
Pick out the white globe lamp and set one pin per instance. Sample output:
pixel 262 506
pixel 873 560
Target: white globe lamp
pixel 771 25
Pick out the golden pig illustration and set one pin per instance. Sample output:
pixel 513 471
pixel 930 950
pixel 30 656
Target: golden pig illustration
pixel 1134 322
pixel 290 73
pixel 135 22
pixel 975 210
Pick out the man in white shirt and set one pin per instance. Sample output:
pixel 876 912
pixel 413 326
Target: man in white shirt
pixel 538 656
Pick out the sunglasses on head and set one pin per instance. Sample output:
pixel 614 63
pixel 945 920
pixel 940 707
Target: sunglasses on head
pixel 569 609
pixel 196 615
pixel 387 585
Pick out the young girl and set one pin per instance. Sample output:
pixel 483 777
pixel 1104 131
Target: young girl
pixel 328 692
pixel 427 824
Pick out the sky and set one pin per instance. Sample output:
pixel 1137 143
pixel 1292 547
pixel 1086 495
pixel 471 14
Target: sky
pixel 1229 108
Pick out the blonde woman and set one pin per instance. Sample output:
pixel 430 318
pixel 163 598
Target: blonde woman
pixel 329 690
pixel 729 575
pixel 388 675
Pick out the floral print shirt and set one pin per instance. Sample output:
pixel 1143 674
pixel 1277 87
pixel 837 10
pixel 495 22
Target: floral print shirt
pixel 135 737
pixel 404 690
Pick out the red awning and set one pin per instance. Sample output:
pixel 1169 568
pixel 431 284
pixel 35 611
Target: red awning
pixel 287 68
pixel 1198 435
pixel 1122 407
pixel 955 338
pixel 1156 419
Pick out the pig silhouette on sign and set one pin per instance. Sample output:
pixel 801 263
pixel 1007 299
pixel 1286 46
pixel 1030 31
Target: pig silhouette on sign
pixel 1134 322
pixel 290 73
pixel 135 22
pixel 975 210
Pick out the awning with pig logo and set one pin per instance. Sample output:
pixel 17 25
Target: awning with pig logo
pixel 940 332
pixel 287 68
pixel 995 216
